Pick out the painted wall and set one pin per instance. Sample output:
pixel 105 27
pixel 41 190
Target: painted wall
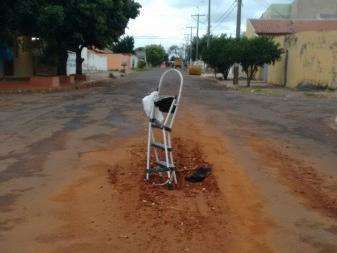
pixel 312 58
pixel 134 61
pixel 23 59
pixel 314 9
pixel 94 61
pixel 115 61
pixel 71 63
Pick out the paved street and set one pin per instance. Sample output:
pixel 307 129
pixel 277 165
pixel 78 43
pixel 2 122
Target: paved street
pixel 72 167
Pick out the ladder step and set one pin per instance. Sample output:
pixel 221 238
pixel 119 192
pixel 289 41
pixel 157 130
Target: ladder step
pixel 158 125
pixel 160 146
pixel 158 169
pixel 164 165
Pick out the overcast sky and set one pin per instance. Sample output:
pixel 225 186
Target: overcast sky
pixel 164 21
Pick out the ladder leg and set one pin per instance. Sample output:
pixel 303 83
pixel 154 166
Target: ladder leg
pixel 171 158
pixel 167 156
pixel 148 152
pixel 155 150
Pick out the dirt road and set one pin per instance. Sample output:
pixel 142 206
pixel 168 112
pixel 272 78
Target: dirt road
pixel 72 167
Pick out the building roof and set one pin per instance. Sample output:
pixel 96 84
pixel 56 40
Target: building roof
pixel 280 27
pixel 280 11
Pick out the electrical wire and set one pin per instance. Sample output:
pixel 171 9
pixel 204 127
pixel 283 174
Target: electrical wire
pixel 229 8
pixel 225 16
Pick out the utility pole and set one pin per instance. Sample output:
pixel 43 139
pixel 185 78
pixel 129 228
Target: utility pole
pixel 187 39
pixel 197 44
pixel 191 36
pixel 238 33
pixel 209 23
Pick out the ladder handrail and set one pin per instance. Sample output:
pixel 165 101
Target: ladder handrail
pixel 181 82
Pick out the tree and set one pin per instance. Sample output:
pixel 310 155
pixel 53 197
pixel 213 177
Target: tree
pixel 18 18
pixel 221 54
pixel 73 25
pixel 175 51
pixel 96 23
pixel 202 46
pixel 173 58
pixel 256 52
pixel 124 45
pixel 155 54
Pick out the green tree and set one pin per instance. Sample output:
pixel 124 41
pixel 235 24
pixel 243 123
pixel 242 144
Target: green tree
pixel 202 46
pixel 124 45
pixel 66 24
pixel 155 54
pixel 175 51
pixel 256 52
pixel 90 23
pixel 221 54
pixel 18 18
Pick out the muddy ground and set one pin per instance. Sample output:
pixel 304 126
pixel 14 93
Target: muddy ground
pixel 72 167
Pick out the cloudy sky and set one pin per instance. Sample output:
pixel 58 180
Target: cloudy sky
pixel 164 21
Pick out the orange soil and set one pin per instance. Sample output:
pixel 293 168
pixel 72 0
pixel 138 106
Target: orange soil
pixel 112 209
pixel 302 178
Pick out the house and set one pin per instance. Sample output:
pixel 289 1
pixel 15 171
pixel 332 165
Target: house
pixel 118 61
pixel 277 11
pixel 302 9
pixel 310 48
pixel 95 60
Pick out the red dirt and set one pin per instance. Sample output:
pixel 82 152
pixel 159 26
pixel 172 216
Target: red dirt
pixel 319 193
pixel 114 209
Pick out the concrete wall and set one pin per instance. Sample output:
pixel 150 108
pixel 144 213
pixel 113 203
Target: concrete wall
pixel 134 61
pixel 312 58
pixel 250 32
pixel 115 61
pixel 71 63
pixel 94 61
pixel 314 9
pixel 23 59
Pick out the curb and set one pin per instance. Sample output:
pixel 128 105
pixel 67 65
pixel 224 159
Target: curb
pixel 76 86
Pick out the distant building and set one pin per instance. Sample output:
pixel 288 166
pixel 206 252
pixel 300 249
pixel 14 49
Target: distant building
pixel 277 11
pixel 302 9
pixel 310 51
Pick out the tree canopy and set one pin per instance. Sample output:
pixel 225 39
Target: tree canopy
pixel 221 54
pixel 251 53
pixel 202 46
pixel 124 45
pixel 155 54
pixel 256 52
pixel 67 24
pixel 175 51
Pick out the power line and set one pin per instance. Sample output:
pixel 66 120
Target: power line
pixel 225 13
pixel 225 16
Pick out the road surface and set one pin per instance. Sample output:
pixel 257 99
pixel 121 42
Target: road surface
pixel 72 167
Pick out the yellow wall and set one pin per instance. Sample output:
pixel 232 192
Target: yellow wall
pixel 276 72
pixel 312 58
pixel 250 32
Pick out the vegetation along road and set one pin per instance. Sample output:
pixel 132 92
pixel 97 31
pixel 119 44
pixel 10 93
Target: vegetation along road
pixel 72 167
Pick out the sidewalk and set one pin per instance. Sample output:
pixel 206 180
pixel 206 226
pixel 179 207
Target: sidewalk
pixel 92 79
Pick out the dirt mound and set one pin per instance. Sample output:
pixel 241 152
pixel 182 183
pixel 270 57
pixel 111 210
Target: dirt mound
pixel 181 215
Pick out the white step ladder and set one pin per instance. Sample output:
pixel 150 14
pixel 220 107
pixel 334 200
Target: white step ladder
pixel 163 163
